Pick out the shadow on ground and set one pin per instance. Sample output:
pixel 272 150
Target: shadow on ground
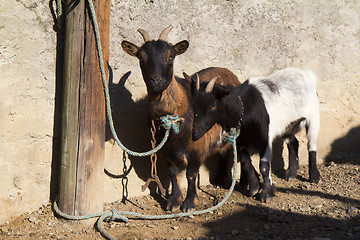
pixel 346 149
pixel 261 222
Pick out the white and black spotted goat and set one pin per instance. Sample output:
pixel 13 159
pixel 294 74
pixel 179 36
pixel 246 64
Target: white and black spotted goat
pixel 264 108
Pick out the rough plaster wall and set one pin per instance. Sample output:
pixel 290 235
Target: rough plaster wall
pixel 27 56
pixel 248 37
pixel 254 38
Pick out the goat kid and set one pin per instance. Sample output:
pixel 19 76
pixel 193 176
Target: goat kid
pixel 264 108
pixel 170 95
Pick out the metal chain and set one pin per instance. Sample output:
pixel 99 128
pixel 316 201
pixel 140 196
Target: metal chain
pixel 153 158
pixel 125 180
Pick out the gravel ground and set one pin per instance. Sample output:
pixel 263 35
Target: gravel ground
pixel 300 210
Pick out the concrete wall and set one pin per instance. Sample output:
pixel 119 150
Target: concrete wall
pixel 248 37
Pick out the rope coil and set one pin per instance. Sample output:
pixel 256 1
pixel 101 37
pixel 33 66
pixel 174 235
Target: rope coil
pixel 113 215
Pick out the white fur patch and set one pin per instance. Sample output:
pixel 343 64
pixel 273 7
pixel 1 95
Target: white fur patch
pixel 290 94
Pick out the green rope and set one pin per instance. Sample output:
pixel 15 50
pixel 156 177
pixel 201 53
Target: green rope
pixel 232 135
pixel 113 215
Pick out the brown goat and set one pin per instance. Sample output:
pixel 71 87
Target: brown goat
pixel 168 95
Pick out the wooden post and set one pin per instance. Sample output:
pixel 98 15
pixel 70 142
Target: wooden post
pixel 83 111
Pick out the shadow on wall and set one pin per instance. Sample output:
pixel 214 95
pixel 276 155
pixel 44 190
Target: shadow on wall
pixel 261 222
pixel 55 162
pixel 131 124
pixel 346 149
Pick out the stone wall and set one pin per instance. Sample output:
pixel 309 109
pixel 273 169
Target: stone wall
pixel 248 37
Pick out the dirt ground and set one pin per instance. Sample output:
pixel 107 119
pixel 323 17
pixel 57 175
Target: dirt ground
pixel 300 210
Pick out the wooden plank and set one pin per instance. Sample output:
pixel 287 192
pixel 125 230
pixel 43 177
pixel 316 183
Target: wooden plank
pixel 74 46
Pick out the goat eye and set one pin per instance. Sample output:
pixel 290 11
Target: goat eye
pixel 168 56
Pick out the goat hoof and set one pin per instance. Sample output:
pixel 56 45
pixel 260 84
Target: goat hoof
pixel 289 175
pixel 267 194
pixel 314 176
pixel 189 205
pixel 173 203
pixel 249 187
pixel 254 189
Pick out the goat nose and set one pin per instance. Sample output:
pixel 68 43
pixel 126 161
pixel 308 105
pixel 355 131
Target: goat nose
pixel 155 79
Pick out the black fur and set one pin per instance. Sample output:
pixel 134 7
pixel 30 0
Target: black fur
pixel 241 105
pixel 244 107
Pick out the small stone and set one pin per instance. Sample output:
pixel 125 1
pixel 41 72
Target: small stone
pixel 3 230
pixel 235 232
pixel 174 227
pixel 32 219
pixel 318 206
pixel 352 210
pixel 191 216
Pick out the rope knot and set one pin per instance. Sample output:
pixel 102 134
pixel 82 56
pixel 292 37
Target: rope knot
pixel 171 122
pixel 232 135
pixel 113 215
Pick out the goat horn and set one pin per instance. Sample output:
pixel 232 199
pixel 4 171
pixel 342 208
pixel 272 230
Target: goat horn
pixel 210 85
pixel 164 33
pixel 144 34
pixel 197 82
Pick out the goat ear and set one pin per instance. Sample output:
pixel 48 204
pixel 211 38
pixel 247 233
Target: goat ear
pixel 129 48
pixel 194 83
pixel 181 47
pixel 221 93
pixel 187 77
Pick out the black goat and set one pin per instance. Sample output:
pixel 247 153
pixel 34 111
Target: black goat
pixel 170 95
pixel 264 108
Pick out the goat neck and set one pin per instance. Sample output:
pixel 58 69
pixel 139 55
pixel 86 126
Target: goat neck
pixel 173 100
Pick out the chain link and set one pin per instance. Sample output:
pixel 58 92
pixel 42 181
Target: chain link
pixel 125 180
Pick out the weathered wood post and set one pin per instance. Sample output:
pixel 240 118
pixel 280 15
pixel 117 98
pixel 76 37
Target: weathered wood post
pixel 83 110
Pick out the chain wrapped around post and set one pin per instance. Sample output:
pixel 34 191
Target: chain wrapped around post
pixel 154 177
